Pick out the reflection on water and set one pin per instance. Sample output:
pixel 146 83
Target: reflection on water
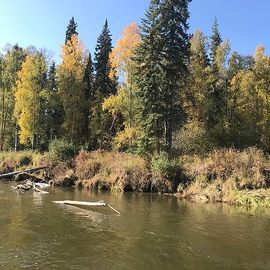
pixel 153 232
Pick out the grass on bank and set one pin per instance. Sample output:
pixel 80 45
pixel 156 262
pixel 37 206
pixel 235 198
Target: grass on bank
pixel 225 175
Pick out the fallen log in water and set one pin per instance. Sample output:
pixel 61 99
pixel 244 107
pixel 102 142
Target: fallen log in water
pixel 11 174
pixel 81 203
pixel 39 190
pixel 42 185
pixel 21 188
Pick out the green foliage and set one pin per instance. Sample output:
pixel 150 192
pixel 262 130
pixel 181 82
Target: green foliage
pixel 104 84
pixel 52 81
pixel 71 29
pixel 62 150
pixel 101 123
pixel 161 71
pixel 173 85
pixel 216 41
pixel 164 167
pixel 192 138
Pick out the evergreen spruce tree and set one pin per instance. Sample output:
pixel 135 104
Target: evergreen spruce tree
pixel 217 108
pixel 52 84
pixel 55 109
pixel 215 41
pixel 216 102
pixel 103 83
pixel 89 78
pixel 71 29
pixel 102 124
pixel 162 62
pixel 148 76
pixel 175 60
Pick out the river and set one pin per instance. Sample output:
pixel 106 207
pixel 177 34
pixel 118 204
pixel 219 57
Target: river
pixel 153 232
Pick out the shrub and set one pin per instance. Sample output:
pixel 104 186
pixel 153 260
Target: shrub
pixel 193 139
pixel 61 150
pixel 86 166
pixel 245 167
pixel 164 167
pixel 10 161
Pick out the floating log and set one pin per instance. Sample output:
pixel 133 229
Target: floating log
pixel 81 203
pixel 11 174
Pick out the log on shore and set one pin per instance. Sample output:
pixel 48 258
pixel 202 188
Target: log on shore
pixel 11 174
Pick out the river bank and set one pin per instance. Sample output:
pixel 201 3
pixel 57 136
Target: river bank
pixel 229 175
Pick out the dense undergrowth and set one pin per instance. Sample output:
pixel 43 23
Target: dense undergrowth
pixel 225 175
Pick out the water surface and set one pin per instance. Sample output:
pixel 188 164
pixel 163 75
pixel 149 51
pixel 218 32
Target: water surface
pixel 153 232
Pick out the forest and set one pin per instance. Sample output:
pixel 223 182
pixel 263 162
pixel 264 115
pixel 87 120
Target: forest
pixel 159 89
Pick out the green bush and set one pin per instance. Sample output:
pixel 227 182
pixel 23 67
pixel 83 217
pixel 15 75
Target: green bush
pixel 164 167
pixel 62 150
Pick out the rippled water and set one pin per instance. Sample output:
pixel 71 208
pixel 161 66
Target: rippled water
pixel 153 232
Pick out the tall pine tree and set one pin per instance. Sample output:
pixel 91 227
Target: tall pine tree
pixel 103 83
pixel 162 62
pixel 52 84
pixel 55 109
pixel 215 40
pixel 217 107
pixel 71 29
pixel 175 60
pixel 102 124
pixel 89 78
pixel 148 77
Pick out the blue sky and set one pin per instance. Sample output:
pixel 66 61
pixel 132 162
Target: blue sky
pixel 42 23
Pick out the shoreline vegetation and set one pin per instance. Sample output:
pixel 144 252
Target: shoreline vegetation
pixel 225 175
pixel 162 110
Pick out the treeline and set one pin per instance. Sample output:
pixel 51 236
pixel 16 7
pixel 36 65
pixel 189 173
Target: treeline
pixel 159 89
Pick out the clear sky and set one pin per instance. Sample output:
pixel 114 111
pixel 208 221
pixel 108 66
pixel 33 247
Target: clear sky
pixel 42 23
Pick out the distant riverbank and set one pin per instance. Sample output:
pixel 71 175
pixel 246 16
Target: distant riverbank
pixel 221 176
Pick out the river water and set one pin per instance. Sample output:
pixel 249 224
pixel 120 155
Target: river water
pixel 153 232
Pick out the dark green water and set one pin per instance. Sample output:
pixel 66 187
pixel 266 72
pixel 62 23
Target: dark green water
pixel 153 232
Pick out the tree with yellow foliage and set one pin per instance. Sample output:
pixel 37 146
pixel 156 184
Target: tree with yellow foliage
pixel 121 55
pixel 72 89
pixel 124 101
pixel 250 103
pixel 29 103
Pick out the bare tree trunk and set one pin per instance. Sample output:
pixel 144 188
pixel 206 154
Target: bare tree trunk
pixel 16 138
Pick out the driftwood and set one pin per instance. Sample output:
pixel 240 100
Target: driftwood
pixel 80 203
pixel 40 190
pixel 42 185
pixel 10 175
pixel 21 188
